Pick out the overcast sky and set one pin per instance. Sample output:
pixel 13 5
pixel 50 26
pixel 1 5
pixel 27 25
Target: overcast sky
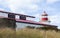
pixel 34 8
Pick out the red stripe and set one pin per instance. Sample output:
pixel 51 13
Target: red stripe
pixel 27 21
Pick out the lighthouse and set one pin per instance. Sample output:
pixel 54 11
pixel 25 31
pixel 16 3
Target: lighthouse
pixel 44 18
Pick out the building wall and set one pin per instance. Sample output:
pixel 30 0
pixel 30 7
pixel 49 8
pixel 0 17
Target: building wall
pixel 24 25
pixel 7 23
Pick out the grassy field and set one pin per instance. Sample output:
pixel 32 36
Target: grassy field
pixel 28 33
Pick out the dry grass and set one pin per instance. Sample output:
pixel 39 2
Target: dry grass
pixel 7 33
pixel 28 33
pixel 33 33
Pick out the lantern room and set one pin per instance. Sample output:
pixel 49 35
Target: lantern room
pixel 44 16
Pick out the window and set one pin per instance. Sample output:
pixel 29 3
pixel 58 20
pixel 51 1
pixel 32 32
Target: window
pixel 22 17
pixel 11 15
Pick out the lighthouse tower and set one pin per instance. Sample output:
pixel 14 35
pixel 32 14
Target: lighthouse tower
pixel 44 18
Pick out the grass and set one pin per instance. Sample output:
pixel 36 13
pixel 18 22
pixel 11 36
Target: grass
pixel 28 33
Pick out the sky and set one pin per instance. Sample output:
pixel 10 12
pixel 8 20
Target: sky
pixel 34 8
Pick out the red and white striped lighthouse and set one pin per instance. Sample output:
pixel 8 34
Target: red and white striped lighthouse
pixel 44 18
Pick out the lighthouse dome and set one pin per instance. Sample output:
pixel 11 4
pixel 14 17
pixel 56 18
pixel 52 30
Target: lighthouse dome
pixel 44 14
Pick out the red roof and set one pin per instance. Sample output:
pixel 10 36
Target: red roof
pixel 33 22
pixel 29 21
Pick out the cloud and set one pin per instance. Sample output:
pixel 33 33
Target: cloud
pixel 2 9
pixel 48 8
pixel 55 20
pixel 51 1
pixel 21 5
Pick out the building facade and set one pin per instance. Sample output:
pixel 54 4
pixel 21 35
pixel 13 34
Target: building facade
pixel 20 21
